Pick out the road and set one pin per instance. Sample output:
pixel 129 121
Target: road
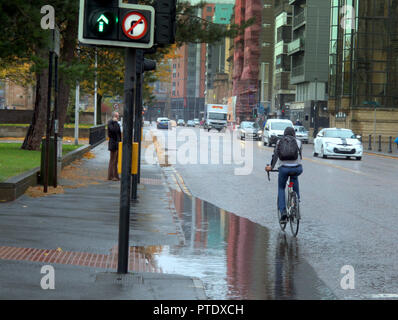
pixel 348 208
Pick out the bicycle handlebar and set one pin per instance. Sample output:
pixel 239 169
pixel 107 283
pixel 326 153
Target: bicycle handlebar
pixel 271 171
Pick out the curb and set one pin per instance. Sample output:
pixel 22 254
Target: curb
pixel 386 155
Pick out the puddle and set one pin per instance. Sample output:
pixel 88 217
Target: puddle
pixel 236 258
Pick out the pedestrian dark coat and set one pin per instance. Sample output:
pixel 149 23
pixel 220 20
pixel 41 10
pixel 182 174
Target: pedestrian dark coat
pixel 114 134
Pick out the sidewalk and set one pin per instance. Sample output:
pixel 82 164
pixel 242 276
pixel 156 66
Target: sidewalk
pixel 76 232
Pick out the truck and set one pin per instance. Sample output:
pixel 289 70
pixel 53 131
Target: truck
pixel 216 117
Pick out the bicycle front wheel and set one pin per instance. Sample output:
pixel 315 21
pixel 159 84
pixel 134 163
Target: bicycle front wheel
pixel 294 216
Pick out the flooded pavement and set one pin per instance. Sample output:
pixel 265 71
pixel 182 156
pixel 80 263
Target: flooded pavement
pixel 236 258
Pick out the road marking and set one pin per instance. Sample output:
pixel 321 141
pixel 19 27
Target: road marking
pixel 335 166
pixel 380 155
pixel 384 296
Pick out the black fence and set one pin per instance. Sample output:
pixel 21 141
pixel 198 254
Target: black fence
pixel 97 135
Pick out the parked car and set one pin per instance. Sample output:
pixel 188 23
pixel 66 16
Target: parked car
pixel 338 142
pixel 162 123
pixel 190 123
pixel 249 130
pixel 197 122
pixel 274 129
pixel 301 133
pixel 180 122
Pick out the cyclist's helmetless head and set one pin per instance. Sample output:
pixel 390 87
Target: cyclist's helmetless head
pixel 289 131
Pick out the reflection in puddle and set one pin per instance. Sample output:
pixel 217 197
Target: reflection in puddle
pixel 236 258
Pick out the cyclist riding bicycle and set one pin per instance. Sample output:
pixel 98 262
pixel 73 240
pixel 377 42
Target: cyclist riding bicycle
pixel 287 151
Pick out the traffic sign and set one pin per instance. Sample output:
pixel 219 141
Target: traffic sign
pixel 135 25
pixel 117 24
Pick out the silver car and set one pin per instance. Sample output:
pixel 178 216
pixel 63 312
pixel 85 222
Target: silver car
pixel 301 133
pixel 249 130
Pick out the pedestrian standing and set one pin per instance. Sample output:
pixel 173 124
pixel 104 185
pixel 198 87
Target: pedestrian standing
pixel 115 136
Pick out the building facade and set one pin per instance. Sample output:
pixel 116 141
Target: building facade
pixel 309 62
pixel 266 67
pixel 283 92
pixel 247 57
pixel 363 64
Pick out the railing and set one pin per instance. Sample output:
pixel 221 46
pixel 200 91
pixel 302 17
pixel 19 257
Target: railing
pixel 298 71
pixel 97 134
pixel 298 19
pixel 295 46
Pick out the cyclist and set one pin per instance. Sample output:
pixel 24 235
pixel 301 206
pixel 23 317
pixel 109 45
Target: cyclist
pixel 287 150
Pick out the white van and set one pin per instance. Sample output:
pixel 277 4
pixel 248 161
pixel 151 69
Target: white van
pixel 274 129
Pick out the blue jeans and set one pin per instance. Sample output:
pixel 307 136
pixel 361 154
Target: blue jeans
pixel 282 180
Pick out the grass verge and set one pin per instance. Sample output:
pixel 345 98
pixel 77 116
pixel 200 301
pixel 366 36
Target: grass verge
pixel 14 160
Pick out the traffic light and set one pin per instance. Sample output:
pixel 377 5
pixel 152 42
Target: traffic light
pixel 149 65
pixel 165 21
pixel 101 19
pixel 113 23
pixel 255 113
pixel 143 64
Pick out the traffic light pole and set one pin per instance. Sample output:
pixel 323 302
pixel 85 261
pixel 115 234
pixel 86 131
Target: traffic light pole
pixel 48 132
pixel 137 128
pixel 125 183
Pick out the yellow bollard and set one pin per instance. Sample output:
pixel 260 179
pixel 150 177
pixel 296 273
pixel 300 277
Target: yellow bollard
pixel 134 158
pixel 134 164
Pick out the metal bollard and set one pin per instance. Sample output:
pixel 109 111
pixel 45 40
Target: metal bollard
pixel 379 143
pixel 370 142
pixel 390 145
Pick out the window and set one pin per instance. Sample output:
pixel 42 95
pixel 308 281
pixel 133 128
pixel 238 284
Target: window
pixel 267 6
pixel 208 9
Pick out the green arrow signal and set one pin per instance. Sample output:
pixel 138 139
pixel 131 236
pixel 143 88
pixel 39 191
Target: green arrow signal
pixel 102 19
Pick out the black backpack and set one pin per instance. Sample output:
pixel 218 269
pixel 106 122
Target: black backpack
pixel 288 148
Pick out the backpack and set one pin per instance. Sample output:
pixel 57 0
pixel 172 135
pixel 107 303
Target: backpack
pixel 288 148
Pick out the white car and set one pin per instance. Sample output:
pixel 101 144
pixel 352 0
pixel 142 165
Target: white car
pixel 336 142
pixel 274 130
pixel 301 133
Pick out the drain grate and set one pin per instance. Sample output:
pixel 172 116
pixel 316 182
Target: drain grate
pixel 150 181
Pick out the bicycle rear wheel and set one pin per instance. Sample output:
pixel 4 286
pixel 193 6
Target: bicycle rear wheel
pixel 294 214
pixel 282 225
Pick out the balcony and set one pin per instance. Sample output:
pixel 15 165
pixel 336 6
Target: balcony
pixel 299 19
pixel 298 71
pixel 295 46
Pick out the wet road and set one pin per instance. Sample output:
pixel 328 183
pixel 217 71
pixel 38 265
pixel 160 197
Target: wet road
pixel 236 258
pixel 349 217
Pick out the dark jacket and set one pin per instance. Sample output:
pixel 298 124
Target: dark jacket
pixel 288 163
pixel 114 134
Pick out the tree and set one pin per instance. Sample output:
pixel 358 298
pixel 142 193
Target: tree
pixel 22 38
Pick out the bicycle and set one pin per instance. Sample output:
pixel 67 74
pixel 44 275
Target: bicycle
pixel 292 207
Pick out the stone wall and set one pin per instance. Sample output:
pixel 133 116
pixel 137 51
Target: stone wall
pixel 361 121
pixel 16 116
pixel 20 132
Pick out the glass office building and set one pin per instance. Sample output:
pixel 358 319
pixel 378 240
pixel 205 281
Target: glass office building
pixel 363 56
